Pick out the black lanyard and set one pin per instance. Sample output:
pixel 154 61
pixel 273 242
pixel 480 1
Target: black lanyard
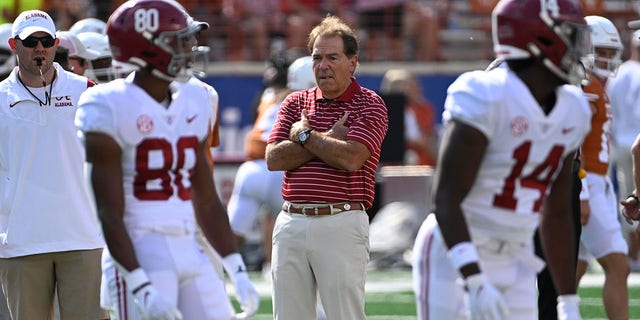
pixel 47 96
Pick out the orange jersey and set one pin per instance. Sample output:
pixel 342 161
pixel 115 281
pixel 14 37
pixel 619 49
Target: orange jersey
pixel 425 118
pixel 595 148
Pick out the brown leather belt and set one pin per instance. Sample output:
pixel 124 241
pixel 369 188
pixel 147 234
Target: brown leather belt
pixel 322 210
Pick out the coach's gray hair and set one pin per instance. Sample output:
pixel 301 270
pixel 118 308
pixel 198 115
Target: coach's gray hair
pixel 333 26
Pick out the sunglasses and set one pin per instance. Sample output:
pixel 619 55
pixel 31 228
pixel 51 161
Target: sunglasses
pixel 32 42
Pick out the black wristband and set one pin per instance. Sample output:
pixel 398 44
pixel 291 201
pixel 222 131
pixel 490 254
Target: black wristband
pixel 140 287
pixel 634 196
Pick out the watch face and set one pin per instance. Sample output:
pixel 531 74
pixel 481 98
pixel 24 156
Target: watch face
pixel 303 136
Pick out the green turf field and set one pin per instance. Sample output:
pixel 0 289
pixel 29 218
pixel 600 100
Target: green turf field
pixel 389 297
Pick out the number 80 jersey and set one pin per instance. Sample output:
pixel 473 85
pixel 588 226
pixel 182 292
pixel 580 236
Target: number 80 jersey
pixel 158 142
pixel 525 148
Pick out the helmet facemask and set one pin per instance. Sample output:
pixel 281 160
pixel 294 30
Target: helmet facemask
pixel 158 36
pixel 188 59
pixel 101 70
pixel 577 38
pixel 602 66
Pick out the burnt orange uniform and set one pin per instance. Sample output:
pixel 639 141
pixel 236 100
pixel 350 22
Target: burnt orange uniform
pixel 601 235
pixel 595 148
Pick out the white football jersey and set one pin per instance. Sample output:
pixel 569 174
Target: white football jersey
pixel 159 143
pixel 525 148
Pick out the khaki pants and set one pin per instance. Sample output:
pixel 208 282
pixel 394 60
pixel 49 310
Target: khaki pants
pixel 30 282
pixel 4 311
pixel 329 253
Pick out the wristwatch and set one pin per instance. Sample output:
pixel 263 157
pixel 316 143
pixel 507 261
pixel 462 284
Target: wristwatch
pixel 304 136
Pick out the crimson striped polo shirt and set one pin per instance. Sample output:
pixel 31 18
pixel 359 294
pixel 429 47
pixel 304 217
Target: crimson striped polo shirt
pixel 316 181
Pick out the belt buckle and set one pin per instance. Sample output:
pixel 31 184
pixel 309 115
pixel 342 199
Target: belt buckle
pixel 304 210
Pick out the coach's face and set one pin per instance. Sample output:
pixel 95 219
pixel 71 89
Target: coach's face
pixel 37 46
pixel 332 68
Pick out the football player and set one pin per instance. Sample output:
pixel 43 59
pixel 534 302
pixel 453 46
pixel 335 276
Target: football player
pixel 147 139
pixel 602 236
pixel 505 168
pixel 100 68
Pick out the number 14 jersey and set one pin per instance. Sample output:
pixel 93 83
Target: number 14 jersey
pixel 525 148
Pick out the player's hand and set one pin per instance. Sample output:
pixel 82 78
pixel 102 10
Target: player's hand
pixel 585 212
pixel 151 304
pixel 568 308
pixel 630 209
pixel 248 297
pixel 485 301
pixel 246 293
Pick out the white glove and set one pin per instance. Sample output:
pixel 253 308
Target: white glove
pixel 568 308
pixel 485 301
pixel 151 304
pixel 246 293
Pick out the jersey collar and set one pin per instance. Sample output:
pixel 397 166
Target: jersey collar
pixel 347 95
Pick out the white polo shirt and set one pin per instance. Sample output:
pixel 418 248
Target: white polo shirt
pixel 45 204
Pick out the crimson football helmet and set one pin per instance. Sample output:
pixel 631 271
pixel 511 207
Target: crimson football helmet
pixel 554 31
pixel 158 35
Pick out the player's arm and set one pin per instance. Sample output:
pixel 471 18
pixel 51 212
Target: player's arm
pixel 461 155
pixel 210 142
pixel 105 154
pixel 585 208
pixel 214 223
pixel 106 178
pixel 209 210
pixel 463 148
pixel 557 230
pixel 631 205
